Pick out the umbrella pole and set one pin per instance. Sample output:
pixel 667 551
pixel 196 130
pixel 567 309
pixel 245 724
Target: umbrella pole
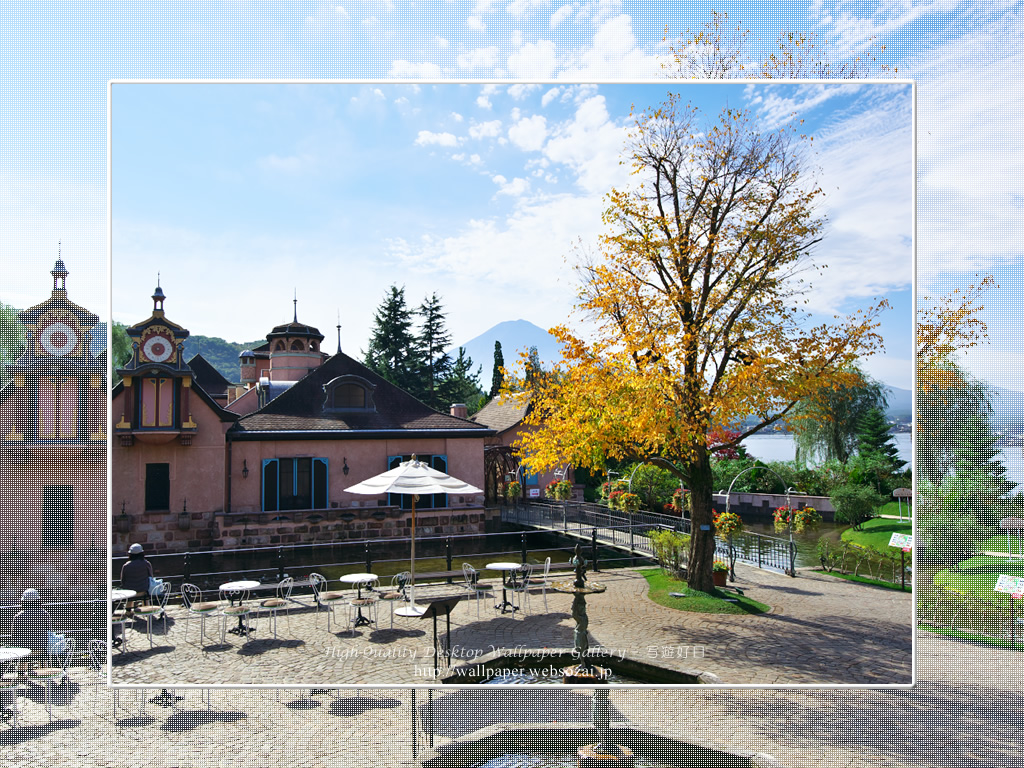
pixel 412 563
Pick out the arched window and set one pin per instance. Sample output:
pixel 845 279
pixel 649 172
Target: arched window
pixel 279 346
pixel 297 346
pixel 348 393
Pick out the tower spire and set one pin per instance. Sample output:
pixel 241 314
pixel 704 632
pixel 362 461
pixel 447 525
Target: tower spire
pixel 295 305
pixel 339 331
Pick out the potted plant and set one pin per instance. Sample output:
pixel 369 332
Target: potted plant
pixel 563 490
pixel 719 573
pixel 512 491
pixel 806 519
pixel 728 524
pixel 615 499
pixel 629 502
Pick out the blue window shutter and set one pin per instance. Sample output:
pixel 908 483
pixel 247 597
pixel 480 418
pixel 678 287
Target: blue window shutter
pixel 269 491
pixel 321 484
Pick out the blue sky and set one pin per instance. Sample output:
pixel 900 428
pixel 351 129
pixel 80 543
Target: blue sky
pixel 56 59
pixel 480 192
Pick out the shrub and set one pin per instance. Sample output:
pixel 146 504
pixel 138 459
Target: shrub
pixel 856 504
pixel 671 548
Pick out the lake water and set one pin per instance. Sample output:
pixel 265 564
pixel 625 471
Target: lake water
pixel 780 447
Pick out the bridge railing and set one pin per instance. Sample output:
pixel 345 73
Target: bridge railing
pixel 629 530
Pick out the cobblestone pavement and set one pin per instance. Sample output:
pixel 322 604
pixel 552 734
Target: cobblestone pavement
pixel 961 713
pixel 821 630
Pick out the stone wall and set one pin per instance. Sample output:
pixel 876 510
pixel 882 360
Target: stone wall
pixel 161 533
pixel 756 506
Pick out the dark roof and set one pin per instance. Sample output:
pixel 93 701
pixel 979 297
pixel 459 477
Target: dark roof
pixel 206 376
pixel 295 329
pixel 504 412
pixel 300 409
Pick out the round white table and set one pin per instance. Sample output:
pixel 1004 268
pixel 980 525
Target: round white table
pixel 239 588
pixel 117 595
pixel 13 654
pixel 359 579
pixel 507 570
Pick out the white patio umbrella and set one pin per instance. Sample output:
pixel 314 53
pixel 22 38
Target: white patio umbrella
pixel 412 478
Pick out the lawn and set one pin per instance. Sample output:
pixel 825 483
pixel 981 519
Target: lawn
pixel 875 534
pixel 866 580
pixel 661 584
pixel 977 577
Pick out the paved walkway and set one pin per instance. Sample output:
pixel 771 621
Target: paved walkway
pixel 962 714
pixel 822 630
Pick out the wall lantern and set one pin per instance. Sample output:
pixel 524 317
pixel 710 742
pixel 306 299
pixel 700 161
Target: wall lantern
pixel 124 522
pixel 344 466
pixel 245 468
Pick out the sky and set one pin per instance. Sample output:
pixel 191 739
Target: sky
pixel 56 60
pixel 247 197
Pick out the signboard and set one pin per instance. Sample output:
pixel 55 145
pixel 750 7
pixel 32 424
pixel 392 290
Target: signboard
pixel 902 540
pixel 1011 585
pixel 535 493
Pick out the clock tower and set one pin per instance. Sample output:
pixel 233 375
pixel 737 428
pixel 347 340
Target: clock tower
pixel 157 382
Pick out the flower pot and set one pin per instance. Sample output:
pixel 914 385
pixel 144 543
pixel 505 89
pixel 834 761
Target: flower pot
pixel 719 577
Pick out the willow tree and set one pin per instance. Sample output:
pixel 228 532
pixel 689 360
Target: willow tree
pixel 693 296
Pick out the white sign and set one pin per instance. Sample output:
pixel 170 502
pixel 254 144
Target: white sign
pixel 535 493
pixel 901 540
pixel 1011 585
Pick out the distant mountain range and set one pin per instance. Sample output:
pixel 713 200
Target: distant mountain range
pixel 515 336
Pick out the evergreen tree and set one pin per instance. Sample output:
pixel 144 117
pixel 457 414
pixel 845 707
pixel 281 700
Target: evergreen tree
pixel 977 466
pixel 874 439
pixel 534 371
pixel 463 385
pixel 12 339
pixel 497 376
pixel 435 364
pixel 121 353
pixel 393 351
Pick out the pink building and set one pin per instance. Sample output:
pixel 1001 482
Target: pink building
pixel 267 462
pixel 53 443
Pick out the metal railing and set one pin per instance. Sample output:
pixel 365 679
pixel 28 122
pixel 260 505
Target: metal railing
pixel 83 620
pixel 766 552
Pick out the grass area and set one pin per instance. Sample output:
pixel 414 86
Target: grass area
pixel 980 580
pixel 997 543
pixel 866 580
pixel 875 533
pixel 661 584
pixel 971 636
pixel 893 508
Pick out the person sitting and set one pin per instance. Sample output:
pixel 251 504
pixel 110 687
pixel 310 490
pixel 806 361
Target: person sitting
pixel 136 573
pixel 29 629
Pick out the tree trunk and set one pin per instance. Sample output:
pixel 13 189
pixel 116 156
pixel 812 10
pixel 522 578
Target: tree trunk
pixel 702 542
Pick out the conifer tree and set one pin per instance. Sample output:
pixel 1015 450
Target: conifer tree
pixel 497 376
pixel 874 439
pixel 462 385
pixel 12 339
pixel 392 351
pixel 435 364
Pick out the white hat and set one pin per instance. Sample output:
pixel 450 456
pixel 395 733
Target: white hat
pixel 29 594
pixel 135 549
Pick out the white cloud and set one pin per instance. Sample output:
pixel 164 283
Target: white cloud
pixel 478 57
pixel 340 10
pixel 590 145
pixel 370 23
pixel 440 42
pixel 533 61
pixel 428 138
pixel 476 24
pixel 288 164
pixel 520 91
pixel 456 117
pixel 550 96
pixel 483 100
pixel 486 130
pixel 499 179
pixel 520 8
pixel 613 53
pixel 515 188
pixel 560 16
pixel 529 133
pixel 423 70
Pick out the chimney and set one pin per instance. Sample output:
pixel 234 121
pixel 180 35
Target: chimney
pixel 459 411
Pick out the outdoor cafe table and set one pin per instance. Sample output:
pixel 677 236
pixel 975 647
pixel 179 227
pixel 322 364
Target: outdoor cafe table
pixel 359 579
pixel 7 655
pixel 238 588
pixel 508 579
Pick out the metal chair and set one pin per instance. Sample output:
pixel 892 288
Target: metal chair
pixel 194 606
pixel 474 587
pixel 56 673
pixel 327 599
pixel 9 685
pixel 119 621
pixel 282 600
pixel 521 587
pixel 154 611
pixel 542 582
pixel 397 593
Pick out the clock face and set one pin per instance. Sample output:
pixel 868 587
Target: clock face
pixel 58 339
pixel 158 348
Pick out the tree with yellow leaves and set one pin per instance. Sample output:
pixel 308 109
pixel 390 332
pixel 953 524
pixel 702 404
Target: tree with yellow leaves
pixel 695 292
